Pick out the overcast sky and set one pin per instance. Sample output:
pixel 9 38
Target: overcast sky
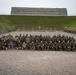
pixel 5 5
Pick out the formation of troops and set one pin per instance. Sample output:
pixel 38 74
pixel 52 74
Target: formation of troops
pixel 38 42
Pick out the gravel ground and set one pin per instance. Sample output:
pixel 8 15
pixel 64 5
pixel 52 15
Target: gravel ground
pixel 24 62
pixel 21 62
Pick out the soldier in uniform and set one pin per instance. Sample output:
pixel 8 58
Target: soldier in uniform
pixel 68 46
pixel 24 45
pixel 41 45
pixel 46 46
pixel 37 45
pixel 64 48
pixel 59 45
pixel 32 46
pixel 50 45
pixel 19 44
pixel 72 44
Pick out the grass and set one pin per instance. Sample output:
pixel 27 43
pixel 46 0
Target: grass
pixel 7 21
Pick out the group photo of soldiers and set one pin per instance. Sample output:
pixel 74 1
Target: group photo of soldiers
pixel 38 42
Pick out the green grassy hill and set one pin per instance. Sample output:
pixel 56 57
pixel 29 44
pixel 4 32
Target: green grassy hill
pixel 7 21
